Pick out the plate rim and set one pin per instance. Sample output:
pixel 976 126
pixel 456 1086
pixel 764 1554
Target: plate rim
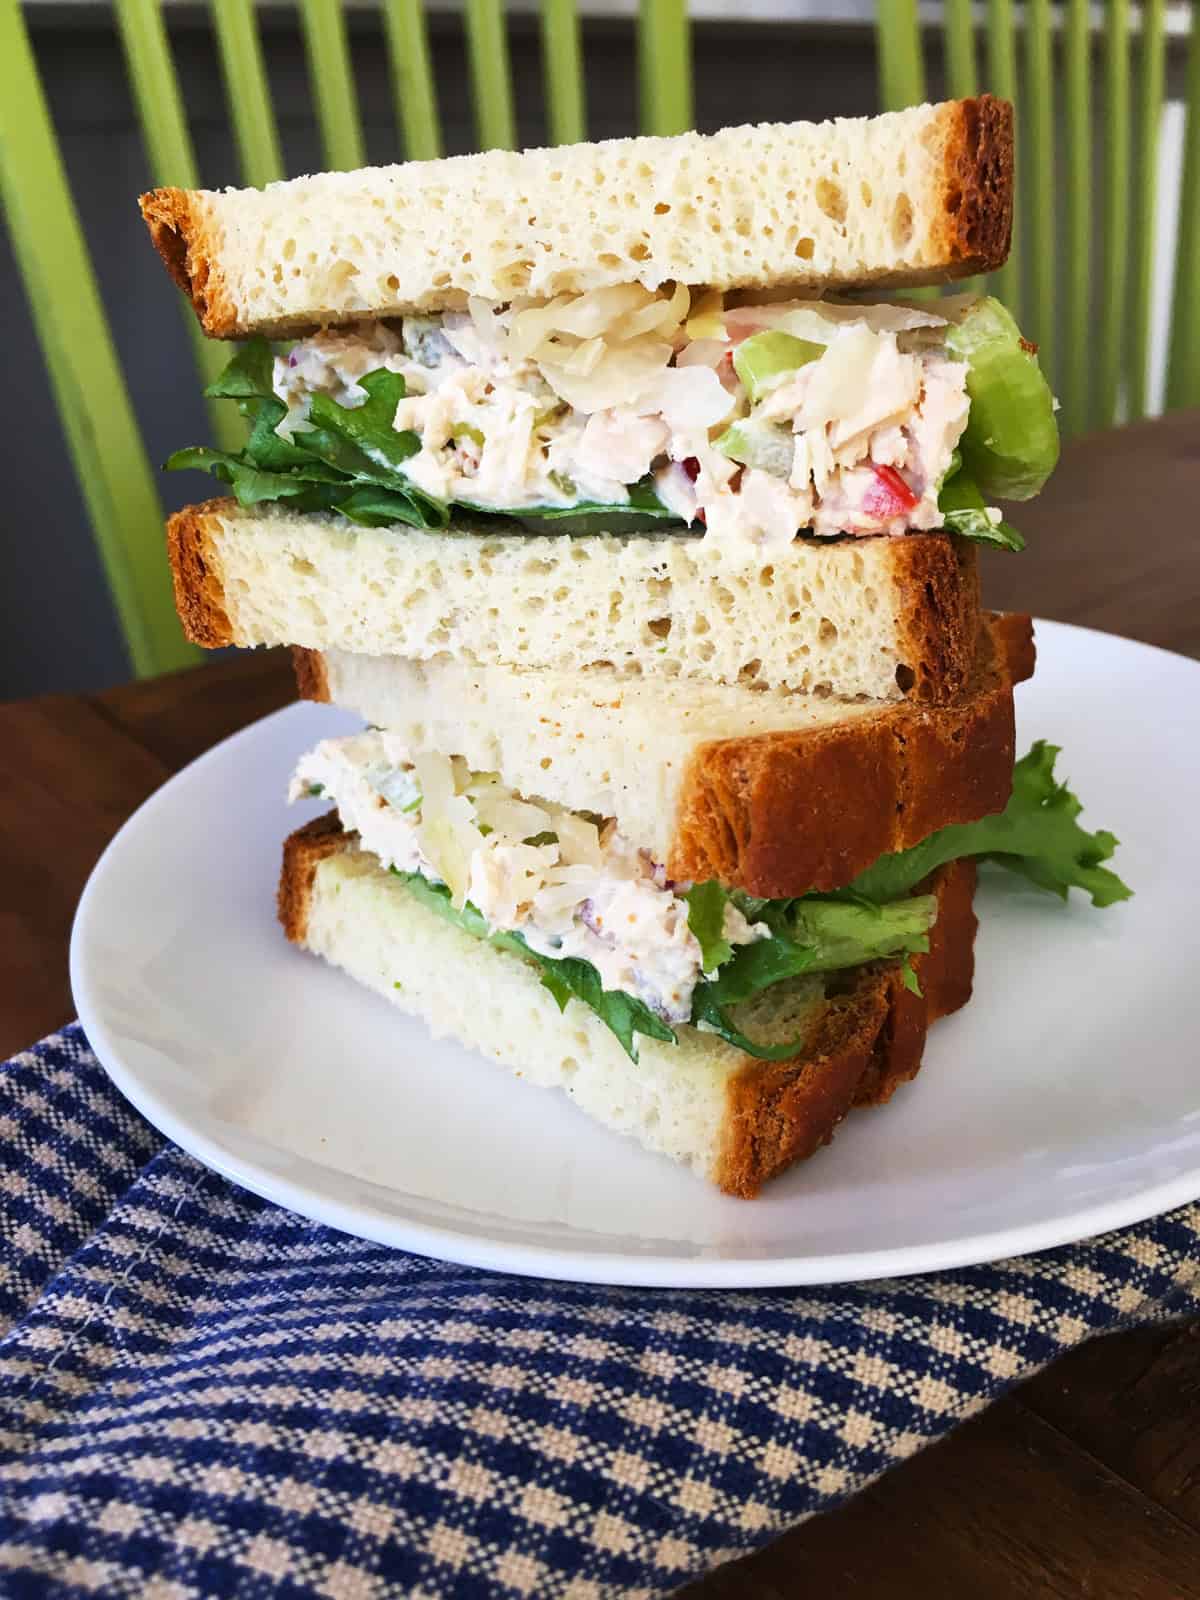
pixel 666 1270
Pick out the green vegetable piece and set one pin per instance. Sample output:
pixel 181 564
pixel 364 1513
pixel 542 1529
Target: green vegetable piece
pixel 369 426
pixel 963 510
pixel 569 978
pixel 1010 443
pixel 248 376
pixel 759 444
pixel 251 485
pixel 464 430
pixel 1036 835
pixel 706 919
pixel 764 360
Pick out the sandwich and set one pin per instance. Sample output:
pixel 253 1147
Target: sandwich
pixel 607 485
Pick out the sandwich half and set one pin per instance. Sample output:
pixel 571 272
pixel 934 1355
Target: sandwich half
pixel 594 406
pixel 733 1118
pixel 725 1029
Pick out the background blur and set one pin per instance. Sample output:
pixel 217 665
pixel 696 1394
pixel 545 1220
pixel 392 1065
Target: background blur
pixel 754 61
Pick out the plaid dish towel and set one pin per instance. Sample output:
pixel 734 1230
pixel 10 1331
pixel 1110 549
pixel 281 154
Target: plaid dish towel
pixel 204 1395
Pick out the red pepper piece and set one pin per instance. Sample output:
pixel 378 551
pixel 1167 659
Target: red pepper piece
pixel 890 496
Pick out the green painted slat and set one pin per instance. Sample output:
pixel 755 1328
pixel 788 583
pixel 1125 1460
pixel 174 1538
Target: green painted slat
pixel 1183 375
pixel 1077 330
pixel 412 75
pixel 328 50
pixel 247 92
pixel 665 66
pixel 1115 121
pixel 562 65
pixel 1002 81
pixel 962 80
pixel 172 161
pixel 115 476
pixel 1038 180
pixel 898 47
pixel 491 81
pixel 1145 198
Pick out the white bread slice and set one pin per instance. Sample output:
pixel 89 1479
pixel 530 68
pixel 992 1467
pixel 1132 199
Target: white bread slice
pixel 909 197
pixel 775 793
pixel 734 1120
pixel 881 617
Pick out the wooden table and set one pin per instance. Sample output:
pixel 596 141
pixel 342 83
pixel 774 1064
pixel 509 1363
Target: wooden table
pixel 1085 1481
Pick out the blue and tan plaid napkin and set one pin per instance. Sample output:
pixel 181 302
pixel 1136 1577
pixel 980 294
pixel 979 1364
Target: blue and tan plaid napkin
pixel 204 1395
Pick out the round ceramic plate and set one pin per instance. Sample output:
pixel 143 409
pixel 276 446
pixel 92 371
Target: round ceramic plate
pixel 1063 1101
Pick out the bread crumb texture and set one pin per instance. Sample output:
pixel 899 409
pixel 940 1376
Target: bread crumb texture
pixel 879 617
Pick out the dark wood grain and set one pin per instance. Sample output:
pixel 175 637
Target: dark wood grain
pixel 70 778
pixel 1134 1402
pixel 72 770
pixel 178 716
pixel 1007 1508
pixel 1084 1482
pixel 1113 540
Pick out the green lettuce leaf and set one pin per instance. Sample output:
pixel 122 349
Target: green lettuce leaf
pixel 1036 835
pixel 248 376
pixel 251 484
pixel 706 919
pixel 368 427
pixel 964 511
pixel 623 1013
pixel 358 456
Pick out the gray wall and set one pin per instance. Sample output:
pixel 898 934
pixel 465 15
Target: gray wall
pixel 51 568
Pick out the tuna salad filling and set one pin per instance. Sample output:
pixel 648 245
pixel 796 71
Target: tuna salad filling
pixel 571 886
pixel 604 925
pixel 747 425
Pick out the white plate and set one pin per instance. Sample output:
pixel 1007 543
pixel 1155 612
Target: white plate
pixel 1063 1101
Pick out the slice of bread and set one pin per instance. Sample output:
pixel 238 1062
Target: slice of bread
pixel 881 617
pixel 775 793
pixel 910 197
pixel 731 1118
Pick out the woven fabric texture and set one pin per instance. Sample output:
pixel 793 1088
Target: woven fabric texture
pixel 204 1395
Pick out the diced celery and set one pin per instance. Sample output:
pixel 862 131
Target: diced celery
pixel 759 444
pixel 764 360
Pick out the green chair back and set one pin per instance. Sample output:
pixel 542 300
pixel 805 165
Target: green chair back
pixel 1094 348
pixel 1087 305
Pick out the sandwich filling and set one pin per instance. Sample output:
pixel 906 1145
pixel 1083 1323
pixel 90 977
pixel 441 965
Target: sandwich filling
pixel 606 925
pixel 577 401
pixel 748 425
pixel 573 887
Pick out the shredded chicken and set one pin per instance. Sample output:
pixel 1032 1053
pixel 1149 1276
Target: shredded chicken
pixel 569 887
pixel 577 400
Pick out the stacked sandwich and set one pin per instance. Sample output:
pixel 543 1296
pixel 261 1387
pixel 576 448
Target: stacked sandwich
pixel 642 532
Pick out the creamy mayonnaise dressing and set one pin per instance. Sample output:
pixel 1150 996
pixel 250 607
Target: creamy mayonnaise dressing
pixel 569 887
pixel 574 401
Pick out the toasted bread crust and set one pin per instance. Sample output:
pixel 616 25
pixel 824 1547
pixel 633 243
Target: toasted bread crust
pixel 946 974
pixel 181 233
pixel 938 579
pixel 779 814
pixel 303 852
pixel 977 195
pixel 199 591
pixel 312 679
pixel 869 1041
